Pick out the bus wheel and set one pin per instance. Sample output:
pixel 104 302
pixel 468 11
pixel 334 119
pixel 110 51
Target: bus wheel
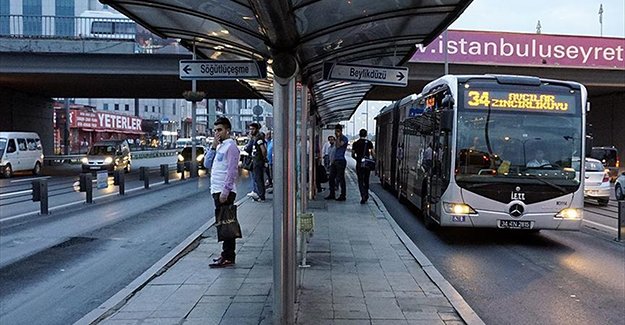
pixel 426 212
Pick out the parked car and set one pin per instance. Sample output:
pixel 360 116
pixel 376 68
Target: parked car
pixel 109 155
pixel 608 156
pixel 185 154
pixel 20 151
pixel 597 182
pixel 619 187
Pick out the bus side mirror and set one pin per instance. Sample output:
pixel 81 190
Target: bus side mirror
pixel 448 102
pixel 447 120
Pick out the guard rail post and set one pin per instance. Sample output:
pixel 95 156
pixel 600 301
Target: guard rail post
pixel 119 181
pixel 193 169
pixel 144 174
pixel 40 194
pixel 165 173
pixel 180 169
pixel 86 185
pixel 621 220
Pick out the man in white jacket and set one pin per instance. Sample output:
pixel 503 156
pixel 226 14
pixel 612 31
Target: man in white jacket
pixel 222 160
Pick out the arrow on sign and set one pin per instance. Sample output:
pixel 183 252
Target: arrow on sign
pixel 400 76
pixel 187 69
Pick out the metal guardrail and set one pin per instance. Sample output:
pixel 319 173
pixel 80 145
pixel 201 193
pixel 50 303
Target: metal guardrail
pixel 52 159
pixel 67 27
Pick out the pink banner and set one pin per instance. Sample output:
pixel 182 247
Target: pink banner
pixel 478 47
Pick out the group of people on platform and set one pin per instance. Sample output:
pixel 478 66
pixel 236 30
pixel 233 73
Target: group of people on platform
pixel 223 157
pixel 334 161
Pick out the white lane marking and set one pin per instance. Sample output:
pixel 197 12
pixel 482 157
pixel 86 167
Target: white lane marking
pixel 16 193
pixel 26 214
pixel 29 179
pixel 600 225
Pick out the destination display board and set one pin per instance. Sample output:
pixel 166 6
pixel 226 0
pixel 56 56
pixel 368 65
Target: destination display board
pixel 515 100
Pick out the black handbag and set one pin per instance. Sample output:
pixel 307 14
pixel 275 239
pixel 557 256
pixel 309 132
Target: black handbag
pixel 367 163
pixel 227 224
pixel 248 163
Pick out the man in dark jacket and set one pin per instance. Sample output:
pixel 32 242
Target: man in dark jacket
pixel 361 149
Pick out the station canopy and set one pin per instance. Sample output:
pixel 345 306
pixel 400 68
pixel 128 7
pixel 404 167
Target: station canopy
pixel 367 32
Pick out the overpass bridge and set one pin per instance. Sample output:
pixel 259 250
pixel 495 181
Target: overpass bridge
pixel 47 68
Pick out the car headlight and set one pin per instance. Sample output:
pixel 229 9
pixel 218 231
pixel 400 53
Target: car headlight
pixel 84 160
pixel 458 208
pixel 108 160
pixel 570 214
pixel 199 158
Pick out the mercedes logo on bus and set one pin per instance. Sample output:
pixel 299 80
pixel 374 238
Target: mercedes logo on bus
pixel 516 210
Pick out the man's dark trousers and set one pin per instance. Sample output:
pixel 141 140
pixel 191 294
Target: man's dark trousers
pixel 363 181
pixel 259 179
pixel 339 176
pixel 229 245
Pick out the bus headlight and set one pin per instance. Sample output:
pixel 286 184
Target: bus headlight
pixel 199 158
pixel 84 160
pixel 180 157
pixel 458 208
pixel 108 160
pixel 570 214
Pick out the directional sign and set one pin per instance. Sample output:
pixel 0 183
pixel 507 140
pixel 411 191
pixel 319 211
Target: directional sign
pixel 371 74
pixel 222 70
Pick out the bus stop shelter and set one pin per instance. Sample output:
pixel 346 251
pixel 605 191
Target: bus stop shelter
pixel 295 38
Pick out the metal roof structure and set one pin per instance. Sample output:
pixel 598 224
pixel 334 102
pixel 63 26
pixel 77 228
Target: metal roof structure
pixel 381 33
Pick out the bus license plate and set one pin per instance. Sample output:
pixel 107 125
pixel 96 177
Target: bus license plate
pixel 514 224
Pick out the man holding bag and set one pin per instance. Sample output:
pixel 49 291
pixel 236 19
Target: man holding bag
pixel 222 160
pixel 362 149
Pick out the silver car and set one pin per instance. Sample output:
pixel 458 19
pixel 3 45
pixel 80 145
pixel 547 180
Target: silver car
pixel 597 182
pixel 619 187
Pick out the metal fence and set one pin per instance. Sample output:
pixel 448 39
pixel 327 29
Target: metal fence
pixel 21 26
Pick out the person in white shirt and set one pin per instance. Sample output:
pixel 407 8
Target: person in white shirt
pixel 222 160
pixel 539 160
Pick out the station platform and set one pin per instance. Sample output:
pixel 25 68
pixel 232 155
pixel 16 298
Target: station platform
pixel 363 270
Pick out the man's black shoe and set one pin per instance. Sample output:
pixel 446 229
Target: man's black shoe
pixel 221 263
pixel 363 201
pixel 341 198
pixel 330 197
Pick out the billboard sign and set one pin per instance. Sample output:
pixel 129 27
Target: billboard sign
pixel 567 51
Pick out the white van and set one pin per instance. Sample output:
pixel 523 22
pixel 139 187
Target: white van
pixel 20 151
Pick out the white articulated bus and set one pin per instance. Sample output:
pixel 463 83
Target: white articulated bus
pixel 488 151
pixel 105 25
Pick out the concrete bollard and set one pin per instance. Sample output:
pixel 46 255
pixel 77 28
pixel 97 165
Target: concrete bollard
pixel 165 173
pixel 86 185
pixel 621 221
pixel 40 194
pixel 144 174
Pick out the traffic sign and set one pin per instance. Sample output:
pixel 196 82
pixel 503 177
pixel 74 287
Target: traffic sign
pixel 371 74
pixel 222 70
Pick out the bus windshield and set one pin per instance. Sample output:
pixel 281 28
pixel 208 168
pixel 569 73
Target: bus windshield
pixel 530 146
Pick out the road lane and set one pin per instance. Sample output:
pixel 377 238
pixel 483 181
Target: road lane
pixel 60 284
pixel 518 278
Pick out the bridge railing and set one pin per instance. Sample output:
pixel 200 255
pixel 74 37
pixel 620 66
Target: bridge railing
pixel 67 27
